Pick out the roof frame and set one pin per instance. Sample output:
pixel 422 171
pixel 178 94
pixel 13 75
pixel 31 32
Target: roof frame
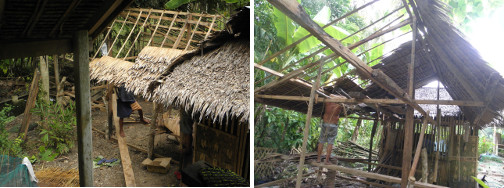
pixel 293 9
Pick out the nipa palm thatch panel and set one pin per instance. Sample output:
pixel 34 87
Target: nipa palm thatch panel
pixel 215 84
pixel 110 69
pixel 150 64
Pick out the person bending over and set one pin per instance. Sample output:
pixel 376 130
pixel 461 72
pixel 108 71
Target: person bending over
pixel 126 104
pixel 329 130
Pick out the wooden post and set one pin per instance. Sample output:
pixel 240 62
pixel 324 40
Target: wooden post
pixel 32 97
pixel 152 133
pixel 408 126
pixel 356 130
pixel 110 110
pixel 83 104
pixel 56 78
pixel 496 144
pixel 44 77
pixel 373 132
pixel 307 128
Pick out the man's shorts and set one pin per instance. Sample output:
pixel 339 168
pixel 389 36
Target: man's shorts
pixel 135 106
pixel 328 133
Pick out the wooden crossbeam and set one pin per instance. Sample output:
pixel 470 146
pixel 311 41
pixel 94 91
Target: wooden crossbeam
pixel 370 175
pixel 373 101
pixel 20 49
pixel 104 13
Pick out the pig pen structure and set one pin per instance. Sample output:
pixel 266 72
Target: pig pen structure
pixel 383 89
pixel 185 63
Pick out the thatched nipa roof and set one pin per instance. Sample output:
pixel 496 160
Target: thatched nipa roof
pixel 150 64
pixel 429 93
pixel 212 81
pixel 215 84
pixel 110 69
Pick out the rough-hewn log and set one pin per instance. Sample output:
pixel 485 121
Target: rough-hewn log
pixel 373 101
pixel 371 175
pixel 32 97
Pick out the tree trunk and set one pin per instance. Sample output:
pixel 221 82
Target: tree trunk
pixel 56 78
pixel 356 130
pixel 44 76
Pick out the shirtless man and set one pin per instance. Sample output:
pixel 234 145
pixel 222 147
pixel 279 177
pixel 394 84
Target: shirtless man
pixel 329 130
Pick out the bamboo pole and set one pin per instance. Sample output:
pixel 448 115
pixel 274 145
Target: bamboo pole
pixel 155 29
pixel 117 36
pixel 307 128
pixel 106 36
pixel 136 38
pixel 418 149
pixel 192 33
pixel 211 26
pixel 169 29
pixel 373 132
pixel 129 35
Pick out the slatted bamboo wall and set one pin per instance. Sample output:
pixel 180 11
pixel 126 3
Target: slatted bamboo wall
pixel 223 144
pixel 457 144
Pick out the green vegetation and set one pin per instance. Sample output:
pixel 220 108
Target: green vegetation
pixel 280 128
pixel 57 130
pixel 8 146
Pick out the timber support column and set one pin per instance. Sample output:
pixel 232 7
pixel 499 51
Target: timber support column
pixel 83 103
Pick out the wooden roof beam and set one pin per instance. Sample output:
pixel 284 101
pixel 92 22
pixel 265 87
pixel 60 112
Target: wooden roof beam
pixel 374 101
pixel 334 55
pixel 2 10
pixel 35 17
pixel 296 12
pixel 70 9
pixel 17 49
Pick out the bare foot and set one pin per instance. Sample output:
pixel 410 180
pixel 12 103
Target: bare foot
pixel 327 162
pixel 122 134
pixel 145 121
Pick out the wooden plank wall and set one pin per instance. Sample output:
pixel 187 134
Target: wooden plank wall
pixel 458 145
pixel 223 144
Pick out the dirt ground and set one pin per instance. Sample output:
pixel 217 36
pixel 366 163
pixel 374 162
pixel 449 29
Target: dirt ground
pixel 494 172
pixel 136 134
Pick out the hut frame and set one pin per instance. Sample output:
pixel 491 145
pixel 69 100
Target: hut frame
pixel 392 91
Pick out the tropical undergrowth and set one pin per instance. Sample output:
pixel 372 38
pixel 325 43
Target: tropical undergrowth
pixel 57 129
pixel 8 146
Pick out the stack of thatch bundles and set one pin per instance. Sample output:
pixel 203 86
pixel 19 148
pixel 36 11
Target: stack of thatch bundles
pixel 215 84
pixel 150 64
pixel 110 69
